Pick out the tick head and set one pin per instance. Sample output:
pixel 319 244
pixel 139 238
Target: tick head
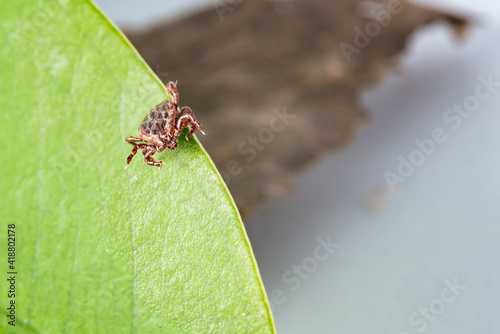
pixel 172 144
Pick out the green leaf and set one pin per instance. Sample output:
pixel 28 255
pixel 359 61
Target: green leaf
pixel 99 248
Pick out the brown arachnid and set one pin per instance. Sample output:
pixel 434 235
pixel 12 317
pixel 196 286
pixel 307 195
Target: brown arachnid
pixel 161 127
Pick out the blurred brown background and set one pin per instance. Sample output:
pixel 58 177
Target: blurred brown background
pixel 275 84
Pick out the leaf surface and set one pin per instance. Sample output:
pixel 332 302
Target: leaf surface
pixel 100 249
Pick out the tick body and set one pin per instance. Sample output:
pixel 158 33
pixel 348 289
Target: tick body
pixel 161 127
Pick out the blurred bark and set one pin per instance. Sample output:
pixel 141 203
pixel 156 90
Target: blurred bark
pixel 243 65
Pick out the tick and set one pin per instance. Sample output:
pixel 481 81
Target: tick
pixel 161 127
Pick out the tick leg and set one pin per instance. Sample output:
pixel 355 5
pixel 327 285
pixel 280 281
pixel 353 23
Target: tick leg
pixel 186 117
pixel 172 91
pixel 148 152
pixel 133 140
pixel 134 151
